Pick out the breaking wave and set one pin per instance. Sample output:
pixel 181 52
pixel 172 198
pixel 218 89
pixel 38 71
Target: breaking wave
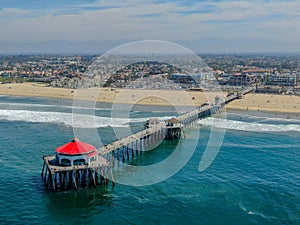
pixel 68 119
pixel 262 119
pixel 24 105
pixel 248 126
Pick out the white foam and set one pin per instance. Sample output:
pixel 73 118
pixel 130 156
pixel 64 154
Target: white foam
pixel 68 119
pixel 260 118
pixel 50 106
pixel 261 146
pixel 250 212
pixel 248 126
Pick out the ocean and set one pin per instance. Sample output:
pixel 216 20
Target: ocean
pixel 253 179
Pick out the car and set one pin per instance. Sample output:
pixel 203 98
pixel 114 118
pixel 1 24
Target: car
pixel 230 94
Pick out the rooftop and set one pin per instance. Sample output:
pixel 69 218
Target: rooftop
pixel 75 147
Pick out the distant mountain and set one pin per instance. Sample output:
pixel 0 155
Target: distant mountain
pixel 204 45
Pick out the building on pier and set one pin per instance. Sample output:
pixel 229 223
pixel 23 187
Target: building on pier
pixel 75 164
pixel 152 122
pixel 172 122
pixel 75 153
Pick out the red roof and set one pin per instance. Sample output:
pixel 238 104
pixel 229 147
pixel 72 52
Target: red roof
pixel 75 147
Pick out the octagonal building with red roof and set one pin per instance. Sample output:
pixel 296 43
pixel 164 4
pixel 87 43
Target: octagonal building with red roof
pixel 75 153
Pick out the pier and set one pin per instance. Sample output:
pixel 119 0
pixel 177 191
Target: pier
pixel 91 166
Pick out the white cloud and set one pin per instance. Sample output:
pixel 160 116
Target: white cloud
pixel 118 19
pixel 12 12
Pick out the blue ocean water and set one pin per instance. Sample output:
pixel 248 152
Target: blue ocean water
pixel 254 179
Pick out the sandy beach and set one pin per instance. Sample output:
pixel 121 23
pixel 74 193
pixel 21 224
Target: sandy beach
pixel 127 96
pixel 251 102
pixel 267 103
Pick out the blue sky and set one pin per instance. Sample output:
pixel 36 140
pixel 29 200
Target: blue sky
pixel 275 23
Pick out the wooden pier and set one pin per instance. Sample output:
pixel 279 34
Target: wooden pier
pixel 99 172
pixel 65 177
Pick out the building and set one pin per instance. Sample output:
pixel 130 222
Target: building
pixel 224 78
pixel 183 79
pixel 282 80
pixel 75 153
pixel 269 89
pixel 239 79
pixel 152 122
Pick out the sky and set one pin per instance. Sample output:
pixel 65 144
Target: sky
pixel 98 25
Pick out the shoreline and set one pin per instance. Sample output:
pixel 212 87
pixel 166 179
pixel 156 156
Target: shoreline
pixel 264 110
pixel 111 95
pixel 267 103
pixel 288 105
pixel 267 114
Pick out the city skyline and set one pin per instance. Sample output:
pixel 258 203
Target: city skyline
pixel 97 26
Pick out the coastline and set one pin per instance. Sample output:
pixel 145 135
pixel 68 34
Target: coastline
pixel 288 105
pixel 111 95
pixel 267 103
pixel 266 114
